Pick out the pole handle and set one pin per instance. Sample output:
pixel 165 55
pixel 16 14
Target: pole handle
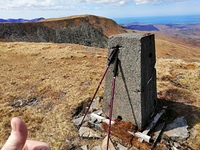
pixel 115 71
pixel 113 54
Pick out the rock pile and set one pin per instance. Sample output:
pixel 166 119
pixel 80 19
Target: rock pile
pixel 22 103
pixel 172 136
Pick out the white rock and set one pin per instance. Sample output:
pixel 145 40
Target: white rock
pixel 177 130
pixel 98 147
pixel 174 148
pixel 85 147
pixel 176 144
pixel 88 133
pixel 78 121
pixel 98 112
pixel 97 126
pixel 100 118
pixel 121 147
pixel 104 144
pixel 96 104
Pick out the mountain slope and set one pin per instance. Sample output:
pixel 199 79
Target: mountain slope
pixel 86 30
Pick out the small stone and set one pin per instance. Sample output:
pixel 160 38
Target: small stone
pixel 85 147
pixel 93 120
pixel 19 103
pixel 133 148
pixel 174 148
pixel 98 147
pixel 88 133
pixel 97 126
pixel 121 147
pixel 96 104
pixel 104 144
pixel 176 144
pixel 78 121
pixel 177 130
pixel 98 112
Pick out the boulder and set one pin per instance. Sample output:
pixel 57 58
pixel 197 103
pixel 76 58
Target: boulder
pixel 88 133
pixel 177 129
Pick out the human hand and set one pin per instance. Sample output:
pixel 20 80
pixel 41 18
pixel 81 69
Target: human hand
pixel 18 138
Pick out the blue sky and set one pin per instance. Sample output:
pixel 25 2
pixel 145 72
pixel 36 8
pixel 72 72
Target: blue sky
pixel 30 9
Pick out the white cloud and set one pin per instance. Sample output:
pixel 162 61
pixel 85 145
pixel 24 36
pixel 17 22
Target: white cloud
pixel 140 2
pixel 53 4
pixel 66 4
pixel 114 2
pixel 26 4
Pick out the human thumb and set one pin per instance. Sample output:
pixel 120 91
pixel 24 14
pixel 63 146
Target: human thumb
pixel 18 135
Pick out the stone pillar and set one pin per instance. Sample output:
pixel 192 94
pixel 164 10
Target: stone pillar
pixel 135 88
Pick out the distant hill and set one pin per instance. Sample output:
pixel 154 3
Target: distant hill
pixel 140 27
pixel 20 20
pixel 189 32
pixel 86 30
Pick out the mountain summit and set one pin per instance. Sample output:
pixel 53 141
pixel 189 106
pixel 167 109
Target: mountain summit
pixel 88 30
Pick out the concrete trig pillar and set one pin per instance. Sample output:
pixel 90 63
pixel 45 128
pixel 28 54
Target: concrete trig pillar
pixel 135 88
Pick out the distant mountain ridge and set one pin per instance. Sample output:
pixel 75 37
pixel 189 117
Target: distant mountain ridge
pixel 20 20
pixel 140 27
pixel 88 30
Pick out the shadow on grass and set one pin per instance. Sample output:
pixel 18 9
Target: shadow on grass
pixel 179 105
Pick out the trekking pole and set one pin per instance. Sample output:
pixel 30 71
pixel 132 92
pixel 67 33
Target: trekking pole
pixel 115 71
pixel 110 60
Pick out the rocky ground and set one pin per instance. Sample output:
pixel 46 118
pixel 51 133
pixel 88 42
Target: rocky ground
pixel 43 83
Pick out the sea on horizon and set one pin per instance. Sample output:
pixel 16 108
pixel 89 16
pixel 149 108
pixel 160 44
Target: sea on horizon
pixel 183 19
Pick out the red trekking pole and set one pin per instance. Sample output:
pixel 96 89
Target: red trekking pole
pixel 110 60
pixel 115 71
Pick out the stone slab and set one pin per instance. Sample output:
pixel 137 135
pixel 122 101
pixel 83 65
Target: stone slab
pixel 135 90
pixel 177 130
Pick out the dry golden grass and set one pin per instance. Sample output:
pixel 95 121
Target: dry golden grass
pixel 60 76
pixel 178 82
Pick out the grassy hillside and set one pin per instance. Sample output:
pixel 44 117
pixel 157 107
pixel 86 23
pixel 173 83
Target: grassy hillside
pixel 44 82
